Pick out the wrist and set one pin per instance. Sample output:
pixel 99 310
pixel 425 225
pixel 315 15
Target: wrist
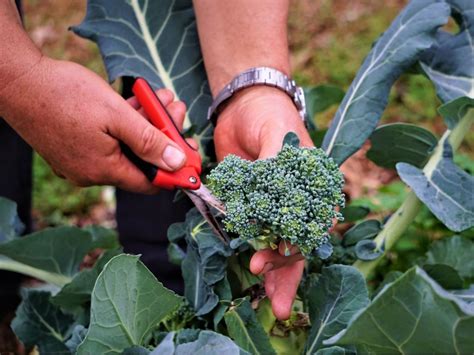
pixel 16 76
pixel 254 95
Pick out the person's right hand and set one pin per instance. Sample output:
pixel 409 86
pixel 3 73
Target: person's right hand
pixel 75 121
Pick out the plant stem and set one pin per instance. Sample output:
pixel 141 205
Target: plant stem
pixel 406 213
pixel 15 266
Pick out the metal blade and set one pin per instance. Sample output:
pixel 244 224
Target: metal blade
pixel 203 207
pixel 206 195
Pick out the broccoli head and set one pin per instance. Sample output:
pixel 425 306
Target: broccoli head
pixel 292 196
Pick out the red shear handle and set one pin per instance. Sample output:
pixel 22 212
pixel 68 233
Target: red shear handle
pixel 188 176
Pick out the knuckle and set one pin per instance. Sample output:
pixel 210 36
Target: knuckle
pixel 150 141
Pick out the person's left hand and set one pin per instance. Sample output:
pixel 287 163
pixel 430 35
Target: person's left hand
pixel 253 126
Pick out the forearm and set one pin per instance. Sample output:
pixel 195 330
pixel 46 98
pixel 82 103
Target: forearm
pixel 18 54
pixel 239 34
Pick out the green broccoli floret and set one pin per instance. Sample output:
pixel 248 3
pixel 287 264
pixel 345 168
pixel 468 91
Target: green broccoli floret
pixel 291 197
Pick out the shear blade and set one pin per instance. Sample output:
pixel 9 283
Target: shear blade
pixel 203 207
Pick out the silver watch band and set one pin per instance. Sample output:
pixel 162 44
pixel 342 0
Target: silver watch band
pixel 260 76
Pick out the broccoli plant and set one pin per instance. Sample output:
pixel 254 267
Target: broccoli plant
pixel 292 197
pixel 118 306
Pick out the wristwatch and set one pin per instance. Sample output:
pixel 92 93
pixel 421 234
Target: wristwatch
pixel 259 76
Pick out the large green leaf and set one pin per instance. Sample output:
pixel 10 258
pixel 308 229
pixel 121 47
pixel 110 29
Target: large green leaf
pixel 10 224
pixel 400 142
pixel 363 230
pixel 456 251
pixel 454 111
pixel 127 303
pixel 244 328
pixel 204 265
pixel 412 32
pixel 210 343
pixel 412 315
pixel 78 292
pixel 337 295
pixel 449 63
pixel 40 323
pixel 157 40
pixel 54 254
pixel 320 98
pixel 445 189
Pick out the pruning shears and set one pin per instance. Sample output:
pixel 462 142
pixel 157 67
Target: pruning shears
pixel 188 177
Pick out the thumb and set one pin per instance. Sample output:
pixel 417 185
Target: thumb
pixel 147 142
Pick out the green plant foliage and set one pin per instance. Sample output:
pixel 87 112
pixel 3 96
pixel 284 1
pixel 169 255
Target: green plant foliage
pixel 204 264
pixel 456 252
pixel 453 111
pixel 400 142
pixel 320 98
pixel 40 323
pixel 363 230
pixel 124 290
pixel 446 190
pixel 354 213
pixel 335 297
pixel 412 32
pixel 54 254
pixel 412 315
pixel 292 196
pixel 453 75
pixel 244 329
pixel 76 294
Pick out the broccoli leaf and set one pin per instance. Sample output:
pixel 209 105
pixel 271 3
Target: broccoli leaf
pixel 77 293
pixel 455 110
pixel 412 315
pixel 363 230
pixel 456 252
pixel 54 254
pixel 449 62
pixel 127 303
pixel 243 327
pixel 338 294
pixel 204 265
pixel 320 98
pixel 400 142
pixel 40 323
pixel 412 32
pixel 446 190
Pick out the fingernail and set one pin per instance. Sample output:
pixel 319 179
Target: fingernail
pixel 173 157
pixel 268 267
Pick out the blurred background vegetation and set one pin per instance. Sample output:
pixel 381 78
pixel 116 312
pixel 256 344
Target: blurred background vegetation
pixel 328 40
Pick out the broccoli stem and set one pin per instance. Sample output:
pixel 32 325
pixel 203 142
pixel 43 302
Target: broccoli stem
pixel 49 277
pixel 406 213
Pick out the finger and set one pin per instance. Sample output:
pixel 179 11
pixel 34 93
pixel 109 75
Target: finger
pixel 286 285
pixel 146 141
pixel 177 111
pixel 166 97
pixel 192 143
pixel 128 177
pixel 260 261
pixel 270 284
pixel 266 260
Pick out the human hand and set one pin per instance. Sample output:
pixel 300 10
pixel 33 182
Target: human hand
pixel 75 120
pixel 253 126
